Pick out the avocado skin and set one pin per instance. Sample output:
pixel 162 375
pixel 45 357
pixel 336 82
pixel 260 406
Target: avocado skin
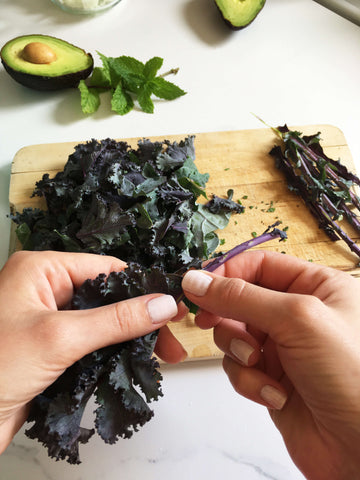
pixel 44 83
pixel 232 25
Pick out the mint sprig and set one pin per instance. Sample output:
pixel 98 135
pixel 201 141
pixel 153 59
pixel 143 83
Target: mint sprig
pixel 128 80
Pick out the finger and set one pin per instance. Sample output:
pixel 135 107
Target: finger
pixel 168 348
pixel 232 338
pixel 276 271
pixel 53 276
pixel 259 335
pixel 271 363
pixel 183 310
pixel 255 385
pixel 70 335
pixel 206 320
pixel 259 307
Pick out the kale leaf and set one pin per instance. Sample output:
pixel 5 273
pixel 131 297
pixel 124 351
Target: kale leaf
pixel 140 205
pixel 136 204
pixel 123 378
pixel 112 374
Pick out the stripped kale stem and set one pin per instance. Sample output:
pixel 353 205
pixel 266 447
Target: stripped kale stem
pixel 269 234
pixel 325 185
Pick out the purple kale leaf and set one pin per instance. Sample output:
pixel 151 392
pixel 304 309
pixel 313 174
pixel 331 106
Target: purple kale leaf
pixel 138 204
pixel 123 378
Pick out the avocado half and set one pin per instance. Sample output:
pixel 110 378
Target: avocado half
pixel 43 62
pixel 239 13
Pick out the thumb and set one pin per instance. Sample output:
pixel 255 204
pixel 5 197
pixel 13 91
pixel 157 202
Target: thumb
pixel 262 308
pixel 84 331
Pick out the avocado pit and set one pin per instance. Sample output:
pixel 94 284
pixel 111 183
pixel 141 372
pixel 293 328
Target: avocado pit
pixel 39 53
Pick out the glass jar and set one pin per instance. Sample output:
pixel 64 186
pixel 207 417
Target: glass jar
pixel 85 6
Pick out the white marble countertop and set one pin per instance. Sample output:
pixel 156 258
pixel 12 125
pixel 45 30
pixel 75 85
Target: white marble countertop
pixel 298 63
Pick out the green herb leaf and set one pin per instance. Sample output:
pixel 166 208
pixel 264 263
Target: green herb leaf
pixel 166 90
pixel 100 78
pixel 128 79
pixel 144 98
pixel 90 99
pixel 129 70
pixel 152 66
pixel 121 101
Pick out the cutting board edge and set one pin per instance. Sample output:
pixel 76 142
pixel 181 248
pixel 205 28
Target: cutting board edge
pixel 316 128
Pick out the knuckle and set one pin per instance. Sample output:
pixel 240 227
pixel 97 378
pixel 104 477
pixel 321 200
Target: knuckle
pixel 50 332
pixel 231 289
pixel 126 317
pixel 20 256
pixel 304 310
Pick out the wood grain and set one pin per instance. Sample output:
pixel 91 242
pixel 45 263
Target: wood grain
pixel 238 160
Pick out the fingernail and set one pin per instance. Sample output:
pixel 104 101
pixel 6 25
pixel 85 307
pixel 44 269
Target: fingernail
pixel 162 308
pixel 273 397
pixel 196 282
pixel 241 350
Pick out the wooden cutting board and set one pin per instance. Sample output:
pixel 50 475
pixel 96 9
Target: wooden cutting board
pixel 234 159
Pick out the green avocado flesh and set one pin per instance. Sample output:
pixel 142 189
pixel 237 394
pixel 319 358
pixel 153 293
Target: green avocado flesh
pixel 239 13
pixel 69 66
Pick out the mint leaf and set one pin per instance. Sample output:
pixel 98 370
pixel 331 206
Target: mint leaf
pixel 144 98
pixel 127 79
pixel 152 66
pixel 128 65
pixel 129 70
pixel 100 78
pixel 107 70
pixel 90 99
pixel 121 101
pixel 166 90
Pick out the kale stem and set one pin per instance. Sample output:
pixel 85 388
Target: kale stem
pixel 269 234
pixel 325 185
pixel 351 244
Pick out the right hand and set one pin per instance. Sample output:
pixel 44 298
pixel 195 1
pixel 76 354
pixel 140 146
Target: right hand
pixel 290 331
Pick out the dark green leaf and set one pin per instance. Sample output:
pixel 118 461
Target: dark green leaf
pixel 152 66
pixel 144 98
pixel 100 78
pixel 90 100
pixel 121 101
pixel 165 89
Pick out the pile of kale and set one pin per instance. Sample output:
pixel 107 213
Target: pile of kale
pixel 140 205
pixel 327 187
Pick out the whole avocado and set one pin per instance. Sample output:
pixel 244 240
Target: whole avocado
pixel 43 62
pixel 238 14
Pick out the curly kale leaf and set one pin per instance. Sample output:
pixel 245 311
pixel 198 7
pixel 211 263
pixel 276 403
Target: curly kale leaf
pixel 123 378
pixel 139 205
pixel 136 204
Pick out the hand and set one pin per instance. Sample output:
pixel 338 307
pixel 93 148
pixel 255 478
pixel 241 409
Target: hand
pixel 38 342
pixel 290 331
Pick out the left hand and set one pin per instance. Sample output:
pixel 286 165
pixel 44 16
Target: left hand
pixel 39 341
